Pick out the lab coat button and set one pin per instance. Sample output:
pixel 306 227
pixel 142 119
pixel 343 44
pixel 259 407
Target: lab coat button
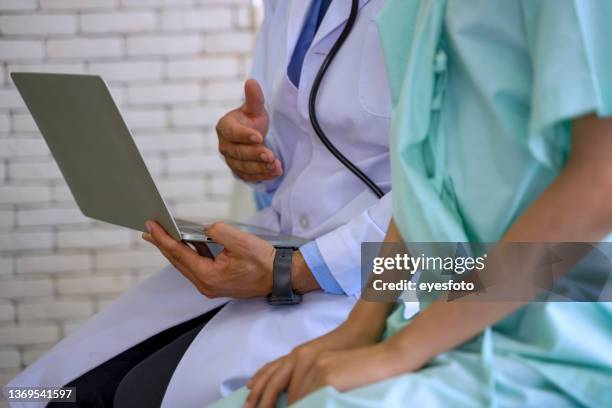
pixel 304 223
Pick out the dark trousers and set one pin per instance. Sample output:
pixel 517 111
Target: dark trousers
pixel 139 376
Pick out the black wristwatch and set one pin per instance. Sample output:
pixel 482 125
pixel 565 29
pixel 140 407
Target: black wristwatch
pixel 282 290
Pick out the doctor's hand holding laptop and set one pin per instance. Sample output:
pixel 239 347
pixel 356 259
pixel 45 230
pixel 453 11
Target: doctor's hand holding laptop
pixel 110 182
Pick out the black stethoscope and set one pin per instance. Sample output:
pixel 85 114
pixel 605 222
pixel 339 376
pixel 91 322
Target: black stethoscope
pixel 313 99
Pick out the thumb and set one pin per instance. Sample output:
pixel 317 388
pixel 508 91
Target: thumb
pixel 254 98
pixel 230 237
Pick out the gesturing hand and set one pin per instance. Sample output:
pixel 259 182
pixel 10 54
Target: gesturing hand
pixel 242 270
pixel 241 134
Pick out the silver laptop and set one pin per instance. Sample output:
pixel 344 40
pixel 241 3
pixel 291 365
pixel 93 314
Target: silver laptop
pixel 97 156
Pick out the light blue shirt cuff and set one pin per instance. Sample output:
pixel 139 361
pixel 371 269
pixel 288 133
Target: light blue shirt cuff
pixel 319 268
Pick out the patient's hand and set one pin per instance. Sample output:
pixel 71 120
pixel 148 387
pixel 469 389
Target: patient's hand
pixel 347 369
pixel 242 270
pixel 241 135
pixel 311 365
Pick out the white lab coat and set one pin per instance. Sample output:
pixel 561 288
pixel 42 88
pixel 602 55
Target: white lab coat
pixel 317 198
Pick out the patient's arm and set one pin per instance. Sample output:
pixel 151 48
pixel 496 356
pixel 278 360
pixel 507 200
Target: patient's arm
pixel 556 216
pixel 575 207
pixel 373 314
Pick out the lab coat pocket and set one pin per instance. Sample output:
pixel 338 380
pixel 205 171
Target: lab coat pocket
pixel 374 94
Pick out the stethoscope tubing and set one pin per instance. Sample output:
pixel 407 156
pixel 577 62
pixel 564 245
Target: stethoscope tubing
pixel 312 100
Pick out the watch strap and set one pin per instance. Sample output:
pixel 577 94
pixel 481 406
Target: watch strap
pixel 282 289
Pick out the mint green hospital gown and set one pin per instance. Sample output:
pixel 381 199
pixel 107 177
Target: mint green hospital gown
pixel 484 92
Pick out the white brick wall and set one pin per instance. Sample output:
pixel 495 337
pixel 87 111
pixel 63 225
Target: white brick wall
pixel 18 4
pixel 174 66
pixel 208 19
pixel 119 22
pixel 21 49
pixel 164 45
pixel 38 24
pixel 85 47
pixel 193 68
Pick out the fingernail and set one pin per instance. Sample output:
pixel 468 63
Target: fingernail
pixel 254 138
pixel 270 166
pixel 264 157
pixel 148 226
